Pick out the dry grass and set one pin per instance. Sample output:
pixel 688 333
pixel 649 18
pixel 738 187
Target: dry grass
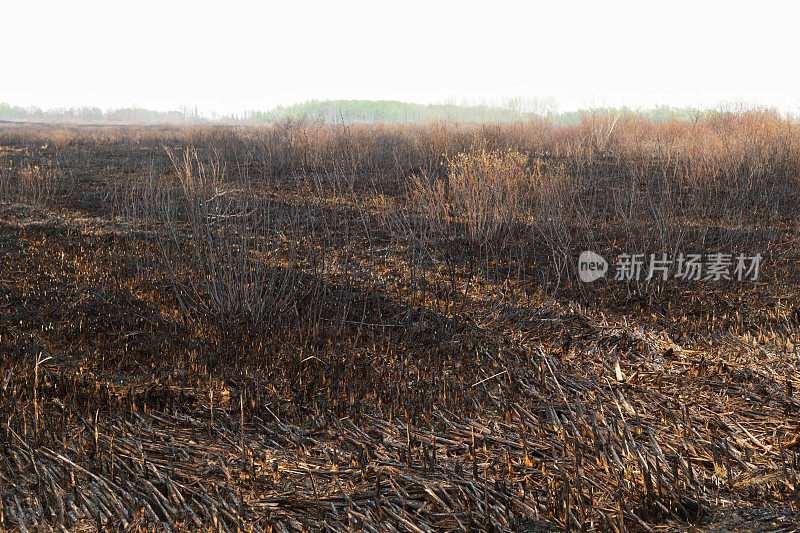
pixel 379 328
pixel 32 184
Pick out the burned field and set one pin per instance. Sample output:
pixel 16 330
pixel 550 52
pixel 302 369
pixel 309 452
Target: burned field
pixel 303 327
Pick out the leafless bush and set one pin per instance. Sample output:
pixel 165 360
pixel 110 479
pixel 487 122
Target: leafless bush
pixel 490 191
pixel 6 179
pixel 599 127
pixel 484 197
pixel 229 255
pixel 559 218
pixel 34 184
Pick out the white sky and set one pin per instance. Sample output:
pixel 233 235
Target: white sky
pixel 232 56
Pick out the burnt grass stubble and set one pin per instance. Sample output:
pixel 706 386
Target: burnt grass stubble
pixel 276 329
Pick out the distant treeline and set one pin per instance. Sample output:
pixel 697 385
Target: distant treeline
pixel 388 111
pixel 392 112
pixel 95 115
pixel 333 111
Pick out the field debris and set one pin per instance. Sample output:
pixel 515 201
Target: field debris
pixel 401 375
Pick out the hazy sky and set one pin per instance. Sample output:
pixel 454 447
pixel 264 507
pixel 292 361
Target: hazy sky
pixel 233 56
